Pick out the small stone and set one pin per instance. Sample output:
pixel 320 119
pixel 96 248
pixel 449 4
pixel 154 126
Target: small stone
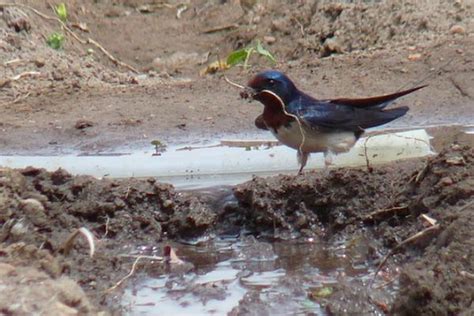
pixel 39 62
pixel 331 45
pixel 19 229
pixel 167 203
pixel 446 181
pixel 457 29
pixel 456 147
pixel 32 206
pixel 269 39
pixel 456 161
pixel 83 124
pixel 144 9
pixel 414 57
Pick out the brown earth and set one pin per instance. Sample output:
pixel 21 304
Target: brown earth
pixel 379 53
pixel 81 101
pixel 38 210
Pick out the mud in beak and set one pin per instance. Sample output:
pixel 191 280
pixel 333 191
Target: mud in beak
pixel 248 93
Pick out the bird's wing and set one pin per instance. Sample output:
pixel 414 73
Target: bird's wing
pixel 323 114
pixel 378 102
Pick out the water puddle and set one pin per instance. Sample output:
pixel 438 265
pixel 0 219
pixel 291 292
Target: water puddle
pixel 270 278
pixel 231 162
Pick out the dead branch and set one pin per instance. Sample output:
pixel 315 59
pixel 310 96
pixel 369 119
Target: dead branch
pixel 380 215
pixel 410 239
pixel 7 81
pixel 462 208
pixel 155 258
pixel 428 220
pixel 19 98
pixel 15 62
pixel 109 55
pixel 25 74
pixel 221 28
pixel 421 175
pixel 134 267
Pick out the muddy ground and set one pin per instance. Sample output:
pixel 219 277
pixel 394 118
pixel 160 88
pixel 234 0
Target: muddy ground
pixel 40 209
pixel 78 100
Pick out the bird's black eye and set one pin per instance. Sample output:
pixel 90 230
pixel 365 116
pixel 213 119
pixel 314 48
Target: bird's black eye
pixel 271 82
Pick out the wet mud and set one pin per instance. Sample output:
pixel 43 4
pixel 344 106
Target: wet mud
pixel 40 209
pixel 387 205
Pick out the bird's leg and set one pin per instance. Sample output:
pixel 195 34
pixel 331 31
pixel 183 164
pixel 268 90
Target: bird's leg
pixel 327 163
pixel 327 159
pixel 302 160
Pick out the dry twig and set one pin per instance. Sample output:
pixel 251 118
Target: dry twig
pixel 428 220
pixel 132 271
pixel 380 215
pixel 469 204
pixel 234 83
pixel 7 81
pixel 410 239
pixel 367 162
pixel 221 28
pixel 67 245
pixel 112 58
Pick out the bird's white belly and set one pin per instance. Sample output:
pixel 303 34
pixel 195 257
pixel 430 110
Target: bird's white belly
pixel 315 141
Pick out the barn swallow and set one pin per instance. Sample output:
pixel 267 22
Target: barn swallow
pixel 310 125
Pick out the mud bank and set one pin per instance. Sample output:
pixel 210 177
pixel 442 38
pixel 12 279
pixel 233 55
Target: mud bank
pixel 39 209
pixel 385 206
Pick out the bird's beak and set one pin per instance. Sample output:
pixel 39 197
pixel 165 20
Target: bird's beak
pixel 248 93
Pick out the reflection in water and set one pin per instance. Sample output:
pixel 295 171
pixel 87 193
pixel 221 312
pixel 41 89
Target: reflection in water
pixel 246 274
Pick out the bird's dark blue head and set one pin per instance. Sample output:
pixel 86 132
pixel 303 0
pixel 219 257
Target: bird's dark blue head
pixel 275 82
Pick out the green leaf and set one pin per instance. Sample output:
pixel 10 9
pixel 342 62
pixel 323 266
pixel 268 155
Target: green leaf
pixel 237 57
pixel 55 40
pixel 264 52
pixel 61 12
pixel 323 292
